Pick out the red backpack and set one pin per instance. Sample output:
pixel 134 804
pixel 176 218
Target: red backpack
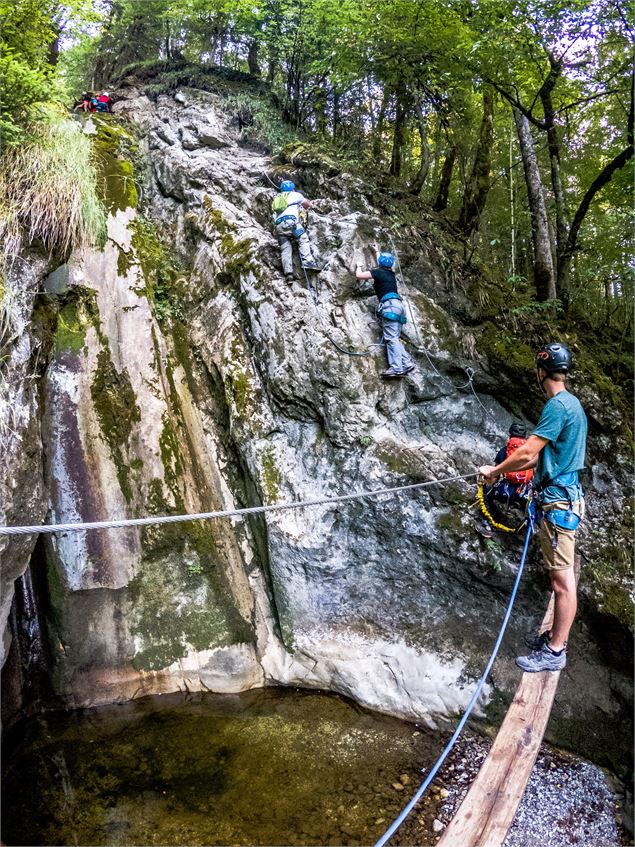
pixel 517 477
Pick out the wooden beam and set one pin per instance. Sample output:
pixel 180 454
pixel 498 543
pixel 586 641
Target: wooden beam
pixel 488 809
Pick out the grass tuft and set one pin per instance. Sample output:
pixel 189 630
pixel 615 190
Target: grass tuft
pixel 47 190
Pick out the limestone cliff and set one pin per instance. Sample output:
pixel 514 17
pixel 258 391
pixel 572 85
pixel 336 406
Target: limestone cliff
pixel 183 374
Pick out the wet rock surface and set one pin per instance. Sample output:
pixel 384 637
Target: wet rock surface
pixel 192 377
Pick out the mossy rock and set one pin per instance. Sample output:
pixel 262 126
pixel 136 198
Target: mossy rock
pixel 117 411
pixel 114 148
pixel 78 312
pixel 270 474
pixel 304 155
pixel 400 460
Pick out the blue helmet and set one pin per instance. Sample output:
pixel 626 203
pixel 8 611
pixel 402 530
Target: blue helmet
pixel 287 185
pixel 385 260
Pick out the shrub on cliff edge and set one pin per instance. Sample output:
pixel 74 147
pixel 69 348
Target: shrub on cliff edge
pixel 48 189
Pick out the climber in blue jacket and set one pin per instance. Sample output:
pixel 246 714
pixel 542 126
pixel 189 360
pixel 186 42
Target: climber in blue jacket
pixel 390 310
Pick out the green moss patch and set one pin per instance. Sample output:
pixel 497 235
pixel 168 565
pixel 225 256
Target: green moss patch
pixel 271 475
pixel 399 460
pixel 114 148
pixel 164 282
pixel 117 411
pixel 180 598
pixel 70 332
pixel 77 313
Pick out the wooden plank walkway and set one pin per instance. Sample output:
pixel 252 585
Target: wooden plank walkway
pixel 488 808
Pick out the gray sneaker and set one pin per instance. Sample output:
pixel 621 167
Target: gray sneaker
pixel 542 660
pixel 391 373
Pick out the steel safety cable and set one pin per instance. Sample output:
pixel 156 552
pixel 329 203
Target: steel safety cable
pixel 226 513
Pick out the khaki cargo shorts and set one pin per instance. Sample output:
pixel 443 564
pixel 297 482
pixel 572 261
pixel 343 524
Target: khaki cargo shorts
pixel 561 557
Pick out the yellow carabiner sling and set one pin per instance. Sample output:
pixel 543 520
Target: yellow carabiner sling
pixel 480 496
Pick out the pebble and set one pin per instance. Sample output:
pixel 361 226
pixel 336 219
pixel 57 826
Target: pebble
pixel 567 800
pixel 397 786
pixel 437 826
pixel 404 779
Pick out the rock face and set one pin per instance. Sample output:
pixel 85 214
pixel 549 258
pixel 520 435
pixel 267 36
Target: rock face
pixel 228 391
pixel 22 498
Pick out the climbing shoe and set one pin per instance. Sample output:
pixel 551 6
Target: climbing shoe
pixel 290 277
pixel 312 266
pixel 544 659
pixel 391 373
pixel 409 369
pixel 485 529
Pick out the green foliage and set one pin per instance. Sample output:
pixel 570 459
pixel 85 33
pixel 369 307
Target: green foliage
pixel 393 91
pixel 25 71
pixel 260 121
pixel 47 189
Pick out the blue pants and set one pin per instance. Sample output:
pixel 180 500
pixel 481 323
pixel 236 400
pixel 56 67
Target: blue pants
pixel 398 359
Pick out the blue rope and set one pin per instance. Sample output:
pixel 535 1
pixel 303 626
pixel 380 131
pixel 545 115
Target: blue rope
pixel 404 814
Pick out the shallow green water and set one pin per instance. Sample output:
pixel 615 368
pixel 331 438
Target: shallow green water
pixel 267 767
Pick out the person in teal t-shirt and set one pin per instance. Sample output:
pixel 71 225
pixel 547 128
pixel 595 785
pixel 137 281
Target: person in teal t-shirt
pixel 556 448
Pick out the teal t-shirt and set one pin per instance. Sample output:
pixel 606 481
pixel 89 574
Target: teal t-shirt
pixel 563 423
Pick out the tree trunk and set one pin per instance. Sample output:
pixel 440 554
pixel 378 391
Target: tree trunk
pixel 369 110
pixel 544 276
pixel 320 112
pixel 252 57
pixel 599 182
pixel 605 176
pixel 441 202
pixel 478 185
pixel 424 165
pixel 168 41
pixel 381 120
pixel 553 145
pixel 399 135
pixel 54 50
pixel 336 114
pixel 512 203
pixel 271 67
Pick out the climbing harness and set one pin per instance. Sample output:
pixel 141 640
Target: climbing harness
pixel 420 347
pixel 435 769
pixel 565 519
pixel 382 312
pixel 227 513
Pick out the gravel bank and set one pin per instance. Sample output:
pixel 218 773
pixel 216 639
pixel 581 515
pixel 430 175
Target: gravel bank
pixel 567 801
